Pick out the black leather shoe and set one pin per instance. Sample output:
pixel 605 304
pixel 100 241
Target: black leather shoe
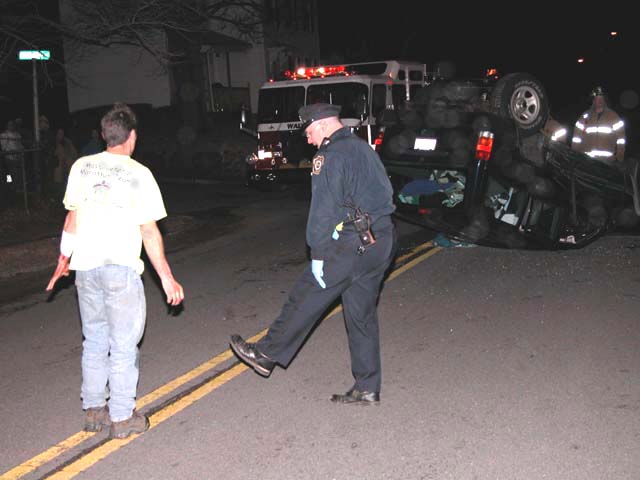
pixel 355 397
pixel 249 353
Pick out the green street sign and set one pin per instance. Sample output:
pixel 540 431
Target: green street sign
pixel 34 55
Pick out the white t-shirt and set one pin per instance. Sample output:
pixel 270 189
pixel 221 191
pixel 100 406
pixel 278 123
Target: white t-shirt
pixel 112 196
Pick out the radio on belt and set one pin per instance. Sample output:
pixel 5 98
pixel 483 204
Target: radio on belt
pixel 362 224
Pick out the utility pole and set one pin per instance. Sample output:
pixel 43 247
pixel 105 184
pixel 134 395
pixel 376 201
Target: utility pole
pixel 36 115
pixel 33 55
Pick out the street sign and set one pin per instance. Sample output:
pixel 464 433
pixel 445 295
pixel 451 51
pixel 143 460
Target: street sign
pixel 34 55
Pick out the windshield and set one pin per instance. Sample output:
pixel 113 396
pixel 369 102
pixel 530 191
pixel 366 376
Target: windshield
pixel 351 96
pixel 281 104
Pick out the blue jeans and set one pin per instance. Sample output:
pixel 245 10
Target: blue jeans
pixel 113 310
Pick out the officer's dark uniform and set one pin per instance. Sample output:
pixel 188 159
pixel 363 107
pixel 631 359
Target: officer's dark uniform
pixel 346 173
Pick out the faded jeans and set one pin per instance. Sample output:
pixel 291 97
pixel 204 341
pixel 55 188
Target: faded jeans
pixel 113 310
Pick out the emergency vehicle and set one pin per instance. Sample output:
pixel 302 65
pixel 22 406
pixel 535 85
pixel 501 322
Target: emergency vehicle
pixel 364 90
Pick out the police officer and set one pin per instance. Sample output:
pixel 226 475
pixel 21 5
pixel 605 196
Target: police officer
pixel 600 131
pixel 352 241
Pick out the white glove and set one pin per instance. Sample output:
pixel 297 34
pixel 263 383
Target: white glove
pixel 316 269
pixel 336 231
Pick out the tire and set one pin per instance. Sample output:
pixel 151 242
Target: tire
pixel 410 118
pixel 461 91
pixel 434 119
pixel 521 98
pixel 400 143
pixel 452 119
pixel 456 139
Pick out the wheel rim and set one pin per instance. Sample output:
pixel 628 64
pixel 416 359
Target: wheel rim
pixel 525 105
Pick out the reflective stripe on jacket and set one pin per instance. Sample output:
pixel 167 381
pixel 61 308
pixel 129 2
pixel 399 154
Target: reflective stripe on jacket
pixel 601 136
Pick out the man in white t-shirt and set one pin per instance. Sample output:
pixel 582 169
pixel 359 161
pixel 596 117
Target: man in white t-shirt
pixel 114 203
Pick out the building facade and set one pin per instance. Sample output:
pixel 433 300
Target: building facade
pixel 222 70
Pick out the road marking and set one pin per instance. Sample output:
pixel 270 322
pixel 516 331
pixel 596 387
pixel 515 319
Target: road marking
pixel 76 439
pixel 403 268
pixel 419 248
pixel 102 450
pixel 413 263
pixel 107 448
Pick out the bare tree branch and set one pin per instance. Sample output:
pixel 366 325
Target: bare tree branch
pixel 126 22
pixel 138 22
pixel 21 28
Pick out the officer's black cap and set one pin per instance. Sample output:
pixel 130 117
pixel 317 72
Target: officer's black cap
pixel 317 111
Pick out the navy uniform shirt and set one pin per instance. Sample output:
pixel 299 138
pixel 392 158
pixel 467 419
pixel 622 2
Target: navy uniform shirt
pixel 346 171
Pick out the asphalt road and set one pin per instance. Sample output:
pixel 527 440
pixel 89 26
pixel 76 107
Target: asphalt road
pixel 497 364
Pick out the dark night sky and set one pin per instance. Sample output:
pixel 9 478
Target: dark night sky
pixel 530 37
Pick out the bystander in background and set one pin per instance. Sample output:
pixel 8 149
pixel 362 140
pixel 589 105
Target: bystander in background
pixel 94 145
pixel 11 142
pixel 65 154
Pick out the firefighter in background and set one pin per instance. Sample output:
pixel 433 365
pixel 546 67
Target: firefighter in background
pixel 600 131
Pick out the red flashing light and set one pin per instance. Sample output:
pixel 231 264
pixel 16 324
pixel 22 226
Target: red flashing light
pixel 484 145
pixel 316 72
pixel 377 143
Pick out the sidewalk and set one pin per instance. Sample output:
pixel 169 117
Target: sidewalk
pixel 31 243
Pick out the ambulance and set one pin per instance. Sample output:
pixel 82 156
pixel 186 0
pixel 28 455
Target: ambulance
pixel 363 90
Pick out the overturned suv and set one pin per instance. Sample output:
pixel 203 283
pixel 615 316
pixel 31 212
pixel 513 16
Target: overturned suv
pixel 473 159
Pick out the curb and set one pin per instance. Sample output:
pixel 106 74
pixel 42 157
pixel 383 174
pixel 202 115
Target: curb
pixel 41 254
pixel 29 257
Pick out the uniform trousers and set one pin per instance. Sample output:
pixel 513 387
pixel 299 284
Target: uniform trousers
pixel 357 278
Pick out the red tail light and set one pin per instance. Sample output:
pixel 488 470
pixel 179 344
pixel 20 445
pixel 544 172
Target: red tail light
pixel 377 143
pixel 484 145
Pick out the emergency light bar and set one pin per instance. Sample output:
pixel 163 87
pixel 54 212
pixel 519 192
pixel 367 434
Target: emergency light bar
pixel 317 72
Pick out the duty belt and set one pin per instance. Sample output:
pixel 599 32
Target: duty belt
pixel 368 237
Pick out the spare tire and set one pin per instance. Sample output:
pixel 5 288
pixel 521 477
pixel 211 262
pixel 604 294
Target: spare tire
pixel 521 98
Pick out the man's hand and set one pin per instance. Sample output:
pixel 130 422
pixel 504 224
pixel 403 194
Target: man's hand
pixel 154 246
pixel 318 273
pixel 62 270
pixel 174 291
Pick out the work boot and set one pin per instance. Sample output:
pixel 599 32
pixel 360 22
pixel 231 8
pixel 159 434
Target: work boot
pixel 136 423
pixel 355 397
pixel 249 353
pixel 95 419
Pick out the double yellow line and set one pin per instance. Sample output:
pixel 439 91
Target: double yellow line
pixel 88 458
